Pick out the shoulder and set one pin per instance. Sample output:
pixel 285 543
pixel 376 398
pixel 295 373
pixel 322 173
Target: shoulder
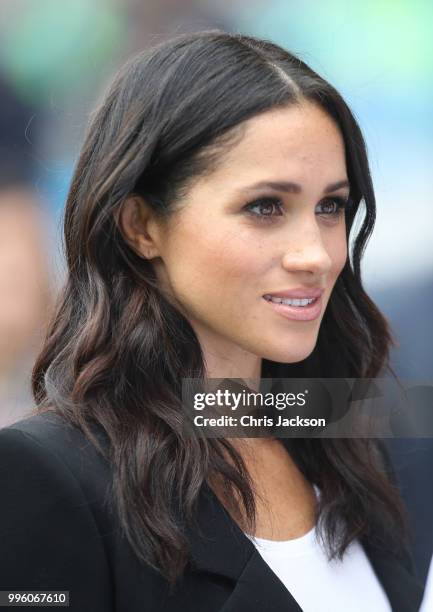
pixel 48 429
pixel 48 442
pixel 49 530
pixel 39 465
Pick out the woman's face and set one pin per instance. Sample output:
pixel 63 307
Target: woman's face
pixel 266 221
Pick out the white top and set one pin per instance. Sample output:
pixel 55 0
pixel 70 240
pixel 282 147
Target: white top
pixel 319 585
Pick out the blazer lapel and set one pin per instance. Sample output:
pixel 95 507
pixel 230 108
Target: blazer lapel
pixel 219 546
pixel 258 588
pixel 403 589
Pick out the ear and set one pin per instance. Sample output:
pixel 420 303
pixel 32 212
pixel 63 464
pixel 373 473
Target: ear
pixel 137 224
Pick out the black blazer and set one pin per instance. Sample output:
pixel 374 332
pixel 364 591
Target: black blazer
pixel 57 532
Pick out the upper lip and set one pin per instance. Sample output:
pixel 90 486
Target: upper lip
pixel 298 292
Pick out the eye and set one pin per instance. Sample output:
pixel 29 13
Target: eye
pixel 332 207
pixel 266 207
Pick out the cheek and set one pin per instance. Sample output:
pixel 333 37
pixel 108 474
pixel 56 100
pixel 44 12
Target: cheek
pixel 337 250
pixel 206 266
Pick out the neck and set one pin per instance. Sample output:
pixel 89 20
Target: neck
pixel 223 359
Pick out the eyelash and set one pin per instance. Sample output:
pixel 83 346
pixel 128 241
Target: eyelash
pixel 340 202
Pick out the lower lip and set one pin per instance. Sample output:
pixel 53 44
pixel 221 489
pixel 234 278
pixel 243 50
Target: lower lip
pixel 298 313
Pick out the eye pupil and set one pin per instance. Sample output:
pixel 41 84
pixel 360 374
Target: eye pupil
pixel 267 207
pixel 329 206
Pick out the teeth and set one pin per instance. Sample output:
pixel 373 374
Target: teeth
pixel 294 302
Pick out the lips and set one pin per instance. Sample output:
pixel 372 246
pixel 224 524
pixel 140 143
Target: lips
pixel 309 312
pixel 297 293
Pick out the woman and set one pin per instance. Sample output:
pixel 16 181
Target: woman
pixel 219 176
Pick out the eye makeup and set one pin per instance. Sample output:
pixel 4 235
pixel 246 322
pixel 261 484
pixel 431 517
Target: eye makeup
pixel 272 203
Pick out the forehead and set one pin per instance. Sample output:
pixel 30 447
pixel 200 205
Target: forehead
pixel 291 141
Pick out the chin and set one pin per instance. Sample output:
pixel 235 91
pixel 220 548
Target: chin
pixel 291 353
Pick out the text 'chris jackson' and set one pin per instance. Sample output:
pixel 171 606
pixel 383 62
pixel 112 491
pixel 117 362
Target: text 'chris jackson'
pixel 251 421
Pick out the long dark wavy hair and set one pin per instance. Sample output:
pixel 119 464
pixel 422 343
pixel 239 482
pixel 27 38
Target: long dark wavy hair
pixel 116 350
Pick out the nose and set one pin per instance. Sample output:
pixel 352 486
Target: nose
pixel 306 252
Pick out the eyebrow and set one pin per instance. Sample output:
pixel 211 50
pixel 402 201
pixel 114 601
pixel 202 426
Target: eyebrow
pixel 290 187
